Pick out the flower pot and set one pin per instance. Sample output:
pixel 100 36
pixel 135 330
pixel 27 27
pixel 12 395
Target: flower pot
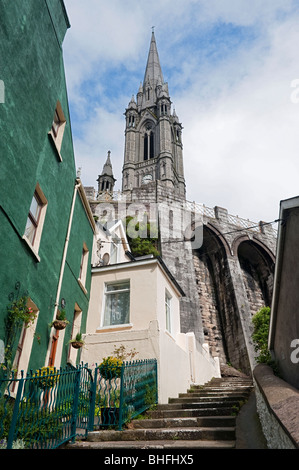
pixel 59 324
pixel 77 344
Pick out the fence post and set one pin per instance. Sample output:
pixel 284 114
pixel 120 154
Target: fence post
pixel 121 397
pixel 76 403
pixel 12 428
pixel 156 377
pixel 93 401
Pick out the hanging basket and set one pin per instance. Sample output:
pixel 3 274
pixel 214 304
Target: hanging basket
pixel 77 344
pixel 60 324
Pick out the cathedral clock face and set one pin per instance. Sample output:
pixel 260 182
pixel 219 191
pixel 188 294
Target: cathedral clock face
pixel 147 179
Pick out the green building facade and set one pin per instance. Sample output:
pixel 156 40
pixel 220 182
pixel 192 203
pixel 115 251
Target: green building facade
pixel 46 225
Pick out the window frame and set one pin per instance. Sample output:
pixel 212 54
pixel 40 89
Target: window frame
pixel 57 129
pixel 83 267
pixel 168 322
pixel 24 347
pixel 37 223
pixel 76 328
pixel 107 294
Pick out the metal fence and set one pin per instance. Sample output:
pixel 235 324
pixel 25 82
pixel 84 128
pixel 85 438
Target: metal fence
pixel 42 410
pixel 125 392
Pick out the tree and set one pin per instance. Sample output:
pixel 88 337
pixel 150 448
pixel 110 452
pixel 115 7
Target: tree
pixel 261 323
pixel 142 237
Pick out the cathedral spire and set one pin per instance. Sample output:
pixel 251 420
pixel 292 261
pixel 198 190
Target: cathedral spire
pixel 153 72
pixel 106 180
pixel 153 146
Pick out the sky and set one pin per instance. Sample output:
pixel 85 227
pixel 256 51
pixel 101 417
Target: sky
pixel 232 68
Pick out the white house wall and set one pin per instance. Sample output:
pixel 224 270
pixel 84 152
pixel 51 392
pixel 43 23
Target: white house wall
pixel 180 360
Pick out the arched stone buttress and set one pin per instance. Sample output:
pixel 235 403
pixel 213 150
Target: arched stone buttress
pixel 219 310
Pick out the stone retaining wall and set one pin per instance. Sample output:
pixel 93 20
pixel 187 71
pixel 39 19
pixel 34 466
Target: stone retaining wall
pixel 278 409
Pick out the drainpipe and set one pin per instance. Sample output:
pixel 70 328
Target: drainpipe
pixel 66 247
pixel 66 244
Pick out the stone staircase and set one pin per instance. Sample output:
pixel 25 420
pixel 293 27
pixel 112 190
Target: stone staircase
pixel 202 418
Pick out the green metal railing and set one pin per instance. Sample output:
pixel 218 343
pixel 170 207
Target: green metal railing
pixel 125 392
pixel 42 410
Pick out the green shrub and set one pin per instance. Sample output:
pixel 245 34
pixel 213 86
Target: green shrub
pixel 146 243
pixel 261 323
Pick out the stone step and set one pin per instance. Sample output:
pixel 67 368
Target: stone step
pixel 187 412
pixel 184 422
pixel 231 383
pixel 200 403
pixel 182 434
pixel 154 444
pixel 211 396
pixel 203 418
pixel 210 389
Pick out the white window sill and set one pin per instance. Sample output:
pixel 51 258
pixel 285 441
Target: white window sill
pixel 114 327
pixel 170 335
pixel 82 286
pixel 53 140
pixel 34 252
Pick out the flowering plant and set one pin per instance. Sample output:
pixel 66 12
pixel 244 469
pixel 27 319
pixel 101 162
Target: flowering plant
pixel 46 377
pixel 19 310
pixel 110 367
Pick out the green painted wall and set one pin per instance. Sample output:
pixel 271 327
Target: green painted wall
pixel 31 67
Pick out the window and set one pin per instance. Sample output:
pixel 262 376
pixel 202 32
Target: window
pixel 56 123
pixel 148 145
pixel 168 311
pixel 117 304
pixel 131 121
pixel 23 351
pixel 114 249
pixel 57 128
pixel 83 265
pixel 35 219
pixel 76 328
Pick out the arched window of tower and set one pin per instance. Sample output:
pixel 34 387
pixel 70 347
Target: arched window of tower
pixel 148 142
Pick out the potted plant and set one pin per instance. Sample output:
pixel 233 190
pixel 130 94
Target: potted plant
pixel 60 321
pixel 110 367
pixel 77 342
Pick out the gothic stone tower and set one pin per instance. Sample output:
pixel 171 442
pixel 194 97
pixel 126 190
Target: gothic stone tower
pixel 229 276
pixel 153 135
pixel 153 173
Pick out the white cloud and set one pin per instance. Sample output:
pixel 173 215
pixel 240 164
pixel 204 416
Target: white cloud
pixel 233 97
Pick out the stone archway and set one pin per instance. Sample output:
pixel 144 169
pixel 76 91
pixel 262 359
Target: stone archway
pixel 221 323
pixel 257 266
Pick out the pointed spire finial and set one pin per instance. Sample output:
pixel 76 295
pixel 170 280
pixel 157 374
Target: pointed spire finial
pixel 153 68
